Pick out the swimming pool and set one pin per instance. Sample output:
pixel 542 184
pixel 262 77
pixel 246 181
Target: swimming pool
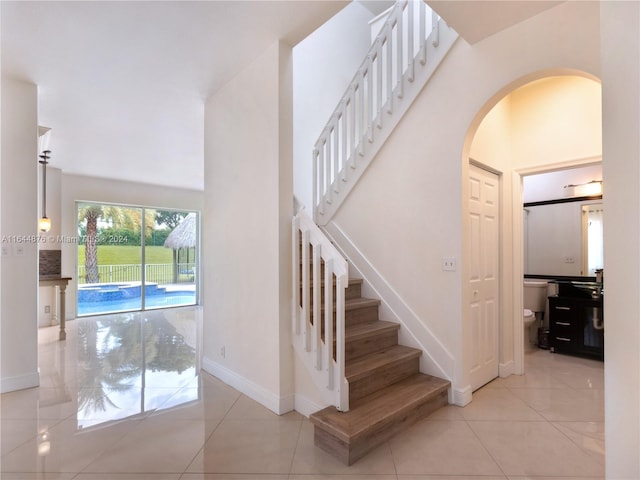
pixel 118 297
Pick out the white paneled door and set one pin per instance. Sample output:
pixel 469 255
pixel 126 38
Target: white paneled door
pixel 483 280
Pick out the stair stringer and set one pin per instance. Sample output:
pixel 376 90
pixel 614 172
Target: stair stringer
pixel 437 49
pixel 436 359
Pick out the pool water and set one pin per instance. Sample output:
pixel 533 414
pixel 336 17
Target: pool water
pixel 108 298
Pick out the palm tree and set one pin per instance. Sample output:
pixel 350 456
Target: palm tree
pixel 90 213
pixel 120 217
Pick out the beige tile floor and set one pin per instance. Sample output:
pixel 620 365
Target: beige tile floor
pixel 108 409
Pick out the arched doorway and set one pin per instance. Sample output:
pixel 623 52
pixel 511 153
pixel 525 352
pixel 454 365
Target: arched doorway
pixel 541 122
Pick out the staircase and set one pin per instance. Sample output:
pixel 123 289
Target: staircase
pixel 400 62
pixel 373 383
pixel 387 392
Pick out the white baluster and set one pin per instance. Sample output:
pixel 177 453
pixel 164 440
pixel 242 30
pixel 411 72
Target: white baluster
pixel 389 68
pixel 321 174
pixel 327 167
pixel 399 55
pixel 317 304
pixel 435 29
pixel 306 312
pixel 410 28
pixel 318 204
pixel 336 155
pixel 341 285
pixel 369 113
pixel 328 321
pixel 361 128
pixel 344 140
pixel 295 237
pixel 422 11
pixel 378 58
pixel 353 142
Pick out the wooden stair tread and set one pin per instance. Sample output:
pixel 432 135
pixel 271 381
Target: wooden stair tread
pixel 355 303
pixel 368 329
pixel 351 281
pixel 379 408
pixel 361 302
pixel 362 366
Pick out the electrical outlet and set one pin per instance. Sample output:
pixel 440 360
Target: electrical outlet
pixel 47 309
pixel 569 259
pixel 5 250
pixel 223 352
pixel 449 264
pixel 19 250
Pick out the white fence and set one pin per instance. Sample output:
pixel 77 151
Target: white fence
pixel 161 273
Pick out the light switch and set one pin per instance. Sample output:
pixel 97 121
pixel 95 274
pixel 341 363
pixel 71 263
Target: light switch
pixel 449 264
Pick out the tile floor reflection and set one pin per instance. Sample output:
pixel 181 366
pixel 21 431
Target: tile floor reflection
pixel 124 398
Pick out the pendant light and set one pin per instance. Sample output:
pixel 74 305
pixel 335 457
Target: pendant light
pixel 44 223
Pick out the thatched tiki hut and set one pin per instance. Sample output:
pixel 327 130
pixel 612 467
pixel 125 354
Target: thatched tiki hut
pixel 182 237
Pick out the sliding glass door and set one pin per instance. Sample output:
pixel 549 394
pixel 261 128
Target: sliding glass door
pixel 170 259
pixel 133 258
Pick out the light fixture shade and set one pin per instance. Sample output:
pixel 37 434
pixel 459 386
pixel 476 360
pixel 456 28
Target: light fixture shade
pixel 44 224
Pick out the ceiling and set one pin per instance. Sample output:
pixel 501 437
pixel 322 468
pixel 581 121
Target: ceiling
pixel 122 84
pixel 475 20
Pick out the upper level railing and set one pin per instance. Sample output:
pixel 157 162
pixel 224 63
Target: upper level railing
pixel 320 279
pixel 371 100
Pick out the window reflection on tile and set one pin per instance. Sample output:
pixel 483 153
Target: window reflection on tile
pixel 134 363
pixel 125 398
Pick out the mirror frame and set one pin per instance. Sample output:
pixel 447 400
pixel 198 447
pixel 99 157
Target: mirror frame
pixel 552 202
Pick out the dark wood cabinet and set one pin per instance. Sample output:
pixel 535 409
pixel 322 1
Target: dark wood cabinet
pixel 576 326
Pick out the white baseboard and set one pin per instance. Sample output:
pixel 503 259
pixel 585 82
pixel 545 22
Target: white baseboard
pixel 305 406
pixel 506 369
pixel 22 382
pixel 277 404
pixel 460 396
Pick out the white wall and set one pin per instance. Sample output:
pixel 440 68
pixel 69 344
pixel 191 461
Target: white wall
pixel 550 185
pixel 411 195
pixel 553 121
pixel 248 197
pixel 18 314
pixel 620 57
pixel 76 188
pixel 324 64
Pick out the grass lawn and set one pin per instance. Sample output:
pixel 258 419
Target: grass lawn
pixel 128 254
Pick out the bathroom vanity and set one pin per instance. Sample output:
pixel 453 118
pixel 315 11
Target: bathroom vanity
pixel 576 319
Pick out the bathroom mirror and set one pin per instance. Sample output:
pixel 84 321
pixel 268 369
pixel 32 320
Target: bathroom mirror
pixel 563 238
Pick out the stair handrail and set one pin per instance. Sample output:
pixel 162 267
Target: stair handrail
pixel 390 62
pixel 315 344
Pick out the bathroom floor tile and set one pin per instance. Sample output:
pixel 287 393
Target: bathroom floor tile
pixel 534 448
pixel 498 404
pixel 534 378
pixel 127 476
pixel 248 446
pixel 195 427
pixel 310 460
pixel 441 447
pixel 232 476
pixel 157 445
pixel 452 477
pixel 565 404
pixel 588 436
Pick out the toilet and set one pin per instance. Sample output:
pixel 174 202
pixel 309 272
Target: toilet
pixel 535 302
pixel 529 321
